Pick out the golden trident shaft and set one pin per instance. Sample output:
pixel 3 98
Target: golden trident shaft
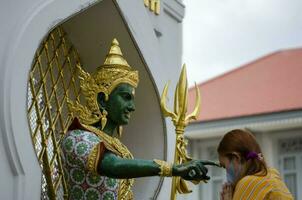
pixel 180 121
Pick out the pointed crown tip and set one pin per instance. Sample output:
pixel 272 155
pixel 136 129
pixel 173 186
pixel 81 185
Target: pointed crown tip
pixel 115 42
pixel 115 56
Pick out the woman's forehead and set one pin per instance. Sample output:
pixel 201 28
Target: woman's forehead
pixel 222 160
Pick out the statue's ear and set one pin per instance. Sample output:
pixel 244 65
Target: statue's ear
pixel 101 100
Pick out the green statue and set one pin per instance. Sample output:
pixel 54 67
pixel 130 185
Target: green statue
pixel 97 164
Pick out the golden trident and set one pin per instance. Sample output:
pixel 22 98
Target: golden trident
pixel 180 121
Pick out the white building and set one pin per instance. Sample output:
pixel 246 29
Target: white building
pixel 37 45
pixel 264 97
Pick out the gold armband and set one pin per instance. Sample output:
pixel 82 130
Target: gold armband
pixel 165 167
pixel 93 159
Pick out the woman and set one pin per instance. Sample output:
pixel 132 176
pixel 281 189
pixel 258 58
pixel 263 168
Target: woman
pixel 248 177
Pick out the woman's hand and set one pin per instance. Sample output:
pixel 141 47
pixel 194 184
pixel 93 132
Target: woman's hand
pixel 193 170
pixel 226 192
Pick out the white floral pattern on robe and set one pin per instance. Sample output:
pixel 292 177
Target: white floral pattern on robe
pixel 83 184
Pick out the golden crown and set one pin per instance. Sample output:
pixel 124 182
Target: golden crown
pixel 108 76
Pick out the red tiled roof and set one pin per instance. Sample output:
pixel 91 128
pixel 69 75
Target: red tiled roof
pixel 272 83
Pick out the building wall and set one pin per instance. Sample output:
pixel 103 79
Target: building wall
pixel 159 40
pixel 288 160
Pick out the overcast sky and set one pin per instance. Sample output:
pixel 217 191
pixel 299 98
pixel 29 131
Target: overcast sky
pixel 220 35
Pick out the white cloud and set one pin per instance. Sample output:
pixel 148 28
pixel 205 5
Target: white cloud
pixel 222 34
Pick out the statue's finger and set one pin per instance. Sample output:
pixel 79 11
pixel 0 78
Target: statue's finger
pixel 202 168
pixel 208 162
pixel 199 173
pixel 205 177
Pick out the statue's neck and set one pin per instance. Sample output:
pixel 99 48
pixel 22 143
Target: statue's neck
pixel 109 128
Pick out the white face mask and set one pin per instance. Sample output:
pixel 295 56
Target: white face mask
pixel 231 173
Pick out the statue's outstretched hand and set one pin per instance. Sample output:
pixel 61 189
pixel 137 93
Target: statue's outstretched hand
pixel 193 170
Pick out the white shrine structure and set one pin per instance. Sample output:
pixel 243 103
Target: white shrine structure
pixel 41 40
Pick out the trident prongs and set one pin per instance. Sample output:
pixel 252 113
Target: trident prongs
pixel 180 121
pixel 179 117
pixel 196 110
pixel 165 110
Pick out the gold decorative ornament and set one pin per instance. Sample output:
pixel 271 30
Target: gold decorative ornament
pixel 120 131
pixel 93 159
pixel 104 119
pixel 165 168
pixel 180 121
pixel 108 76
pixel 153 5
pixel 52 78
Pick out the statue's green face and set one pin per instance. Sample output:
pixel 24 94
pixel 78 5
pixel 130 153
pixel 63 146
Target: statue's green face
pixel 120 104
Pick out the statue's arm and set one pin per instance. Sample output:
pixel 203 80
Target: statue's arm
pixel 110 165
pixel 116 167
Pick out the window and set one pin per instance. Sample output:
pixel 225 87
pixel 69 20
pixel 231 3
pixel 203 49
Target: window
pixel 290 163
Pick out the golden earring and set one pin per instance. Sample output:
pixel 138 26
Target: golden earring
pixel 104 119
pixel 120 131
